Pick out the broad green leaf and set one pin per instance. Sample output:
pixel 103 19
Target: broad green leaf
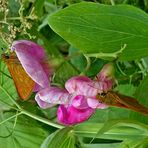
pixel 103 115
pixel 119 123
pixel 121 130
pixel 103 29
pixel 63 138
pixel 142 96
pixel 103 145
pixel 26 133
pixel 126 89
pixel 134 143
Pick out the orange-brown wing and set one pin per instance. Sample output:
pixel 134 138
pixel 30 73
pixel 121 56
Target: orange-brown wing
pixel 110 100
pixel 126 102
pixel 24 84
pixel 132 104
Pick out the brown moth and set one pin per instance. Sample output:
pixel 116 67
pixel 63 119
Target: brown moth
pixel 24 84
pixel 112 98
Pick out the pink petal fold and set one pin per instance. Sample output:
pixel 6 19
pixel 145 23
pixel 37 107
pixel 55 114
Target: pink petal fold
pixel 71 115
pixel 30 47
pixel 94 103
pixel 106 75
pixel 79 102
pixel 81 85
pixel 33 59
pixel 42 104
pixel 53 95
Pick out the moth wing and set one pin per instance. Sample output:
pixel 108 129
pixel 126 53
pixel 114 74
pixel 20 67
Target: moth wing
pixel 131 103
pixel 24 84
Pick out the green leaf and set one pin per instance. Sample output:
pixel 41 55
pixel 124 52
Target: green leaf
pixel 103 145
pixel 135 143
pixel 103 29
pixel 126 89
pixel 26 133
pixel 119 123
pixel 63 138
pixel 142 96
pixel 103 115
pixel 115 130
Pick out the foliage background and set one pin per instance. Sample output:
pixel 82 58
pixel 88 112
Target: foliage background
pixel 30 126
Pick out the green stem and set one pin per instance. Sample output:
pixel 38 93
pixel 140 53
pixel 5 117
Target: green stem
pixel 112 2
pixel 36 117
pixel 101 55
pixel 88 63
pixel 3 22
pixel 18 18
pixel 118 66
pixel 141 67
pixel 13 18
pixel 144 65
pixel 10 118
pixel 43 120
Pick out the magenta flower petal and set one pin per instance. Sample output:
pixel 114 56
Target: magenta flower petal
pixel 71 115
pixel 53 95
pixel 32 58
pixel 29 46
pixel 94 103
pixel 80 102
pixel 42 104
pixel 86 91
pixel 81 85
pixel 106 75
pixel 103 85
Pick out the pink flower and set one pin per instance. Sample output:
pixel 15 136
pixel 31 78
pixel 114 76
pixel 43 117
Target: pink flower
pixel 78 101
pixel 72 110
pixel 82 85
pixel 71 115
pixel 33 59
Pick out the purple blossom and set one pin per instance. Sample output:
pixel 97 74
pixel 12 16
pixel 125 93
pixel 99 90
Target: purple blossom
pixel 72 110
pixel 34 61
pixel 77 102
pixel 82 85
